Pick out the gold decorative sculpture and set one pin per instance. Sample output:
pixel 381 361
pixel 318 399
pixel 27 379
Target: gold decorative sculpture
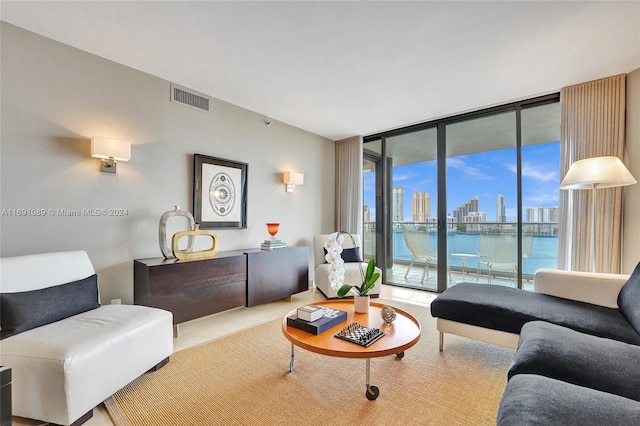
pixel 193 255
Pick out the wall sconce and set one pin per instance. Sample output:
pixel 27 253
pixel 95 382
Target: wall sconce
pixel 291 179
pixel 110 151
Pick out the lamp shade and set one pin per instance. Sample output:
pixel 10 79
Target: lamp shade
pixel 293 178
pixel 106 148
pixel 597 172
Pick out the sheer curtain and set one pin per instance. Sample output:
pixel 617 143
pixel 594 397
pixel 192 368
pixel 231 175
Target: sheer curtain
pixel 349 185
pixel 593 125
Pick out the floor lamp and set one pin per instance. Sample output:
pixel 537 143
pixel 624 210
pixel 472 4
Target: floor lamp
pixel 595 173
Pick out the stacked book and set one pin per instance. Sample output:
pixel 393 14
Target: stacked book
pixel 272 244
pixel 318 318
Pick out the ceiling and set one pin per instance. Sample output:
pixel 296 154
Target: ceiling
pixel 540 124
pixel 346 68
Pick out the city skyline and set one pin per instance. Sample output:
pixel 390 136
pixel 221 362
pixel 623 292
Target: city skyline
pixel 487 175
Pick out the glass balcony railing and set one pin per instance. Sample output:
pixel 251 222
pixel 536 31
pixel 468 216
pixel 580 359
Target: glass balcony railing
pixel 471 245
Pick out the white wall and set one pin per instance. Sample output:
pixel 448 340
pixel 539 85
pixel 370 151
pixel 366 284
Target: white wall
pixel 55 98
pixel 631 224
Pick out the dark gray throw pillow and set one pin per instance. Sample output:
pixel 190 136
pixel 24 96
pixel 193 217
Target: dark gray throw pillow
pixel 25 310
pixel 349 255
pixel 629 299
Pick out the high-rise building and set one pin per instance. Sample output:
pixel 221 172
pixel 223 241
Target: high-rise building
pixel 420 206
pixel 366 213
pixel 398 204
pixel 501 215
pixel 475 217
pixel 534 214
pixel 542 214
pixel 461 212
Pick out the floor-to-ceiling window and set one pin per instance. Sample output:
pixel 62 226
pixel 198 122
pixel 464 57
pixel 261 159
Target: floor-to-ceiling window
pixel 466 198
pixel 481 198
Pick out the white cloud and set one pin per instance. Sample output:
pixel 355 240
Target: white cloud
pixel 537 171
pixel 473 172
pixel 542 198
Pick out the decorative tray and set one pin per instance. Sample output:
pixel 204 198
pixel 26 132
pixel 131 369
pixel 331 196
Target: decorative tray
pixel 359 334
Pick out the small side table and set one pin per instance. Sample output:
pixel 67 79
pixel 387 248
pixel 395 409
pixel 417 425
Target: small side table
pixel 5 396
pixel 463 258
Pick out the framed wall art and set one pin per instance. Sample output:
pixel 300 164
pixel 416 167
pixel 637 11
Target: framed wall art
pixel 219 192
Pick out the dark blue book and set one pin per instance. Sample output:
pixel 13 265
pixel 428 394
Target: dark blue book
pixel 330 318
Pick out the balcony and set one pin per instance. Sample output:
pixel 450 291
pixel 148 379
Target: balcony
pixel 463 246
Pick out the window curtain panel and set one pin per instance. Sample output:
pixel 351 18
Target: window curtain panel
pixel 592 125
pixel 349 159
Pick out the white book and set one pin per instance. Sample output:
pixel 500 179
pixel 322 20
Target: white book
pixel 309 313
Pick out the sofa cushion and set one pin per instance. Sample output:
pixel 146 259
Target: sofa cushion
pixel 508 309
pixel 537 400
pixel 564 354
pixel 629 299
pixel 348 255
pixel 22 311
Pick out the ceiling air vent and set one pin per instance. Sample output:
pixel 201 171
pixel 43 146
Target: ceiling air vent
pixel 189 97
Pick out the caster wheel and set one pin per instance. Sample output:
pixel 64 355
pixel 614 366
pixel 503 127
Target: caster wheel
pixel 372 393
pixel 400 354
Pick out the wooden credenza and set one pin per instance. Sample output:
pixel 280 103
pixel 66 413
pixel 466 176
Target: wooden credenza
pixel 193 289
pixel 276 274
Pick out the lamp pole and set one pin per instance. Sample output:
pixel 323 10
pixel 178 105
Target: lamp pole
pixel 593 228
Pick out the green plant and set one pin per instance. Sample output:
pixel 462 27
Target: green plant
pixel 369 282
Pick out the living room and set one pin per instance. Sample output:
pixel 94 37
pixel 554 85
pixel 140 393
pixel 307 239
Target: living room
pixel 56 97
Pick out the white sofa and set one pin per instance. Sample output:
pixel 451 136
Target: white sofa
pixel 62 370
pixel 352 271
pixel 595 288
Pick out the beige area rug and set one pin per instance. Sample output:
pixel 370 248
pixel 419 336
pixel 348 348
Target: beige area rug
pixel 244 379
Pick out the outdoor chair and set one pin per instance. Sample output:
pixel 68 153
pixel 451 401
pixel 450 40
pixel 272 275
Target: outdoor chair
pixel 418 242
pixel 500 252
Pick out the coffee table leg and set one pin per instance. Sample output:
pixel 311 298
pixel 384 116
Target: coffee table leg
pixel 372 391
pixel 292 361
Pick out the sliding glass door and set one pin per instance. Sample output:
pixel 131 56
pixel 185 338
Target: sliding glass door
pixel 413 181
pixel 481 196
pixel 467 198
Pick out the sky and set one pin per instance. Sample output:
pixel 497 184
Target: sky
pixel 485 174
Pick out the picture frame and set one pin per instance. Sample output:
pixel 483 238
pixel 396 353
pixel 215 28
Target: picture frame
pixel 219 192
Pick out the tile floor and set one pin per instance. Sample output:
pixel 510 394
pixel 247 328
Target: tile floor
pixel 200 330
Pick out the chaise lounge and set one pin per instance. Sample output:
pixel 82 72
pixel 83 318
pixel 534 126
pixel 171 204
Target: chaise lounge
pixel 583 301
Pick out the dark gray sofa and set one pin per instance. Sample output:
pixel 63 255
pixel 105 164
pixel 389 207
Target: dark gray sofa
pixel 563 377
pixel 576 362
pixel 581 359
pixel 530 400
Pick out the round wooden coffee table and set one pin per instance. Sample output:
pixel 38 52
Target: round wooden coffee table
pixel 399 336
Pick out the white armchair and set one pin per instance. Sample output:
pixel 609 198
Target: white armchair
pixel 352 270
pixel 68 354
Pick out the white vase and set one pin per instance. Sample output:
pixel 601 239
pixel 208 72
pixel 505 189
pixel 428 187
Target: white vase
pixel 361 304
